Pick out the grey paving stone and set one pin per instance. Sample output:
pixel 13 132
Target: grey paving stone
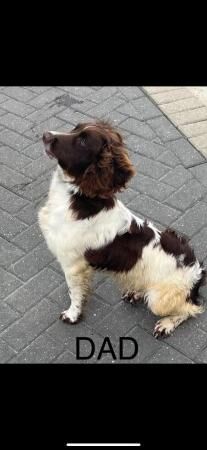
pixel 129 110
pixel 18 93
pixel 154 210
pixel 65 358
pixel 114 117
pixel 134 158
pixel 8 283
pixel 118 323
pixel 192 220
pixel 187 154
pixel 3 98
pixel 9 253
pixel 12 158
pixel 201 320
pixel 144 109
pixel 14 140
pixel 153 188
pixel 147 345
pixel 200 172
pixel 10 226
pixel 148 166
pixel 164 129
pixel 202 357
pixel 203 289
pixel 29 238
pixel 98 279
pixel 11 202
pixel 6 352
pixel 169 158
pixel 42 350
pixel 44 113
pixel 34 290
pixel 79 91
pixel 38 89
pixel 66 99
pixel 109 292
pixel 143 147
pixel 205 198
pixel 188 338
pixel 73 117
pixel 2 112
pixel 46 97
pixel 102 94
pixel 82 106
pixel 130 92
pixel 15 123
pixel 32 263
pixel 32 136
pixel 100 110
pixel 7 316
pixel 56 266
pixel 53 123
pixel 186 196
pixel 35 150
pixel 60 295
pixel 177 177
pixel 168 355
pixel 199 242
pixel 36 189
pixel 139 128
pixel 67 334
pixel 16 107
pixel 41 165
pixel 28 214
pixel 127 196
pixel 32 324
pixel 95 310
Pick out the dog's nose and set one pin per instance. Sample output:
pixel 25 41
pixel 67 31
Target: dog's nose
pixel 48 137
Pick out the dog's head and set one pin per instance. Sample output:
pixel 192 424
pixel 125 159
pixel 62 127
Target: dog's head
pixel 93 157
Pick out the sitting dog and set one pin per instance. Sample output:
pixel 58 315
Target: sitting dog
pixel 87 228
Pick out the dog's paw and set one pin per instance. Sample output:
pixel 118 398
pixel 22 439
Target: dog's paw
pixel 68 316
pixel 132 297
pixel 163 328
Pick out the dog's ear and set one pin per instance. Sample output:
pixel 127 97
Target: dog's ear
pixel 97 180
pixel 123 170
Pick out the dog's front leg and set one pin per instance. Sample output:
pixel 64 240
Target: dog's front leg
pixel 78 278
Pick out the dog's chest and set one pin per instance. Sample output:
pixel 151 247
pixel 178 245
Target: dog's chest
pixel 56 220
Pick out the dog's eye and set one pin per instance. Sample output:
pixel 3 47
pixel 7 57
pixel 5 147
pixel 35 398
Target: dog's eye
pixel 82 139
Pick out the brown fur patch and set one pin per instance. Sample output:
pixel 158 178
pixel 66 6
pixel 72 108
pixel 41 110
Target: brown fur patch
pixel 84 207
pixel 121 254
pixel 177 245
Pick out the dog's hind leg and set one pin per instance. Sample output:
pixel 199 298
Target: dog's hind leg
pixel 170 302
pixel 78 278
pixel 165 326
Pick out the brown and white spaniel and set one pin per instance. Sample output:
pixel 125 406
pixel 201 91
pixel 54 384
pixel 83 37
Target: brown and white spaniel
pixel 87 228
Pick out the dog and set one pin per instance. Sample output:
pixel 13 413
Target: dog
pixel 87 229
